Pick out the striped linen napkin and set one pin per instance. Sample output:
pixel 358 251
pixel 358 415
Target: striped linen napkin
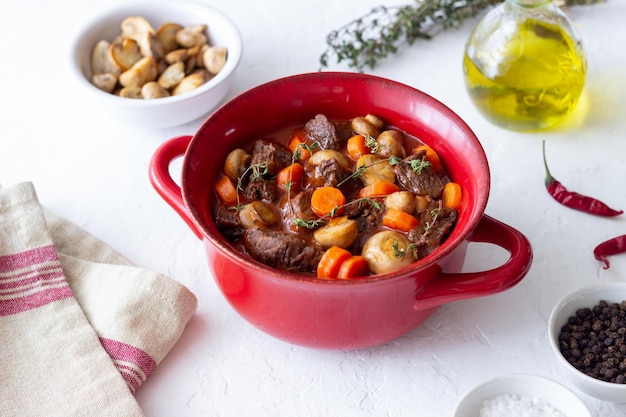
pixel 81 328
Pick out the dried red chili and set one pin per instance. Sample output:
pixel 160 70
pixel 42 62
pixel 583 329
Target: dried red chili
pixel 610 247
pixel 573 199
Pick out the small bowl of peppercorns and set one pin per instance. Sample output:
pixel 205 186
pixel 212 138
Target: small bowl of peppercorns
pixel 587 331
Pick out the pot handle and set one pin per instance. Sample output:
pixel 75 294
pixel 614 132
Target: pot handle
pixel 162 181
pixel 446 288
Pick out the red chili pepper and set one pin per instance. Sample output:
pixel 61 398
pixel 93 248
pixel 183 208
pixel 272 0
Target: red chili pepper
pixel 610 247
pixel 574 200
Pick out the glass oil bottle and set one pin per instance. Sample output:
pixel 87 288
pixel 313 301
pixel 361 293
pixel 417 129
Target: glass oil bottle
pixel 524 65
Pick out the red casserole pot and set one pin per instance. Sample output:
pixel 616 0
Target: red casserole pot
pixel 340 314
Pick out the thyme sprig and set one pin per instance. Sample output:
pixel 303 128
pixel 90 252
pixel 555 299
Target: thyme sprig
pixel 400 253
pixel 360 170
pixel 257 171
pixel 372 144
pixel 434 214
pixel 312 224
pixel 294 157
pixel 418 165
pixel 374 36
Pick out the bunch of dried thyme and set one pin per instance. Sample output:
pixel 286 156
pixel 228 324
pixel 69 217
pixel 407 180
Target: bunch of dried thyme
pixel 365 41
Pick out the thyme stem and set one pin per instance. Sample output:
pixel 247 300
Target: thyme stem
pixel 372 37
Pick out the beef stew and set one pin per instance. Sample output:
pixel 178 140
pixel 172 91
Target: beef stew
pixel 373 194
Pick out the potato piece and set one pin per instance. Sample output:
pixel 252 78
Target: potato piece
pixel 125 53
pixel 192 35
pixel 387 251
pixel 214 58
pixel 327 154
pixel 191 82
pixel 391 142
pixel 375 169
pixel 105 81
pixel 101 62
pixel 143 71
pixel 172 75
pixel 130 92
pixel 401 200
pixel 236 163
pixel 166 35
pixel 340 231
pixel 258 214
pixel 152 89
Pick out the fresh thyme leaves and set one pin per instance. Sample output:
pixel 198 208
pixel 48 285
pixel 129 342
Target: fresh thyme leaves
pixel 370 142
pixel 418 165
pixel 400 253
pixel 434 214
pixel 368 39
pixel 298 152
pixel 309 224
pixel 257 170
pixel 396 250
pixel 294 157
pixel 358 173
pixel 312 224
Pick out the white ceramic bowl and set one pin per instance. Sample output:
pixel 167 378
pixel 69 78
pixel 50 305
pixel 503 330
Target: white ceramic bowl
pixel 167 111
pixel 522 385
pixel 586 296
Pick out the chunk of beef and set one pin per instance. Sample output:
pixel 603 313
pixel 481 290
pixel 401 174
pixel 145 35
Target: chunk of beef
pixel 227 221
pixel 261 189
pixel 344 129
pixel 321 130
pixel 301 205
pixel 434 226
pixel 366 215
pixel 282 250
pixel 328 173
pixel 422 180
pixel 275 155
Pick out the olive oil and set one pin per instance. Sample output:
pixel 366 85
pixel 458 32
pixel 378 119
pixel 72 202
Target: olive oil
pixel 524 73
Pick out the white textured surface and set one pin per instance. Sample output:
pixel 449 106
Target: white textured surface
pixel 94 172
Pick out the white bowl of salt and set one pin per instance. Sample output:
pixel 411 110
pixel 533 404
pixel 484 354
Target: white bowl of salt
pixel 521 395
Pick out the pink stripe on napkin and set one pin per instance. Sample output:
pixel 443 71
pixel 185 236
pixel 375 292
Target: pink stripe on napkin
pixel 134 364
pixel 31 279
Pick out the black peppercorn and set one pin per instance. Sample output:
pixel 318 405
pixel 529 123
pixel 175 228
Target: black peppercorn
pixel 594 341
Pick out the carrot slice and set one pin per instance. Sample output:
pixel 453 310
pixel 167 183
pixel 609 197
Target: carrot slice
pixel 295 144
pixel 399 220
pixel 353 267
pixel 226 191
pixel 330 262
pixel 327 201
pixel 452 195
pixel 356 147
pixel 432 156
pixel 291 177
pixel 378 189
